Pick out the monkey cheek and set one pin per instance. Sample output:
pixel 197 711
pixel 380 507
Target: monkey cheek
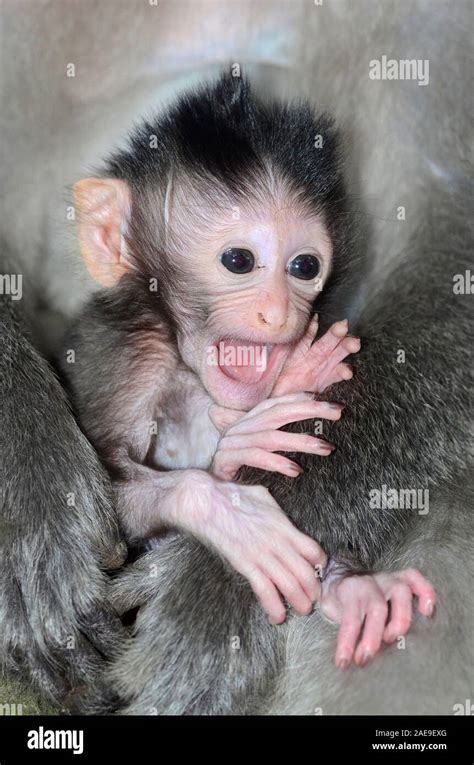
pixel 190 350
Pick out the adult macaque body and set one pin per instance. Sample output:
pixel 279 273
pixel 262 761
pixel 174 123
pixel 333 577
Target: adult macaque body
pixel 213 240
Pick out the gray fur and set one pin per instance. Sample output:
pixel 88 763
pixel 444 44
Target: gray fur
pixel 431 671
pixel 411 147
pixel 56 626
pixel 406 426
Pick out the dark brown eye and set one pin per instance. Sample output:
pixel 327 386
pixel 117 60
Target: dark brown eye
pixel 304 267
pixel 238 261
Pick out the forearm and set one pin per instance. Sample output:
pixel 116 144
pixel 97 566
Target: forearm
pixel 151 501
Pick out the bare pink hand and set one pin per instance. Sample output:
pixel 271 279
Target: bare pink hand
pixel 315 366
pixel 248 528
pixel 374 608
pixel 251 438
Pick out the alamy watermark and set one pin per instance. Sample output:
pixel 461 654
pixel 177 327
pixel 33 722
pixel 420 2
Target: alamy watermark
pixel 463 284
pixel 387 498
pixel 400 69
pixel 225 355
pixel 11 284
pixel 42 738
pixel 11 710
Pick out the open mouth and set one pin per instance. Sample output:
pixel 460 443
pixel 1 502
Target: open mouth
pixel 245 361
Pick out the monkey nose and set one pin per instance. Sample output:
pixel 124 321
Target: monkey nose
pixel 276 323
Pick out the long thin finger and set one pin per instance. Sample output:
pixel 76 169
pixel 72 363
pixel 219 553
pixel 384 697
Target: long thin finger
pixel 332 376
pixel 344 348
pixel 421 588
pixel 372 634
pixel 280 441
pixel 283 414
pixel 309 549
pixel 226 466
pixel 288 585
pixel 268 596
pixel 331 339
pixel 303 571
pixel 269 403
pixel 344 372
pixel 349 631
pixel 331 369
pixel 401 610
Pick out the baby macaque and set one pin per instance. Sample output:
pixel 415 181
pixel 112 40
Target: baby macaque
pixel 213 234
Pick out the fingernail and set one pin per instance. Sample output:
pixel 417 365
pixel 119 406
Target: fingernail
pixel 320 443
pixel 342 664
pixel 366 657
pixel 429 608
pixel 296 469
pixel 332 405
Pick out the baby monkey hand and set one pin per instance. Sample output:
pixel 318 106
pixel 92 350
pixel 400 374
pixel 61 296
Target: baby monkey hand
pixel 248 528
pixel 315 366
pixel 251 438
pixel 373 608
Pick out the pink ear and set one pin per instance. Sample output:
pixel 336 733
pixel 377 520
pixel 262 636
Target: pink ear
pixel 103 206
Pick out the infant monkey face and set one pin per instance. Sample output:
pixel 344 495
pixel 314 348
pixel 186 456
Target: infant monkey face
pixel 261 276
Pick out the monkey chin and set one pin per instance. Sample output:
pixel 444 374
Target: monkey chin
pixel 243 386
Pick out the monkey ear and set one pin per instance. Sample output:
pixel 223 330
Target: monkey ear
pixel 103 207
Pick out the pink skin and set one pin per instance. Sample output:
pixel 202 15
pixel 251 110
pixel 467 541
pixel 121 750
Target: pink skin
pixel 373 609
pixel 265 306
pixel 254 534
pixel 307 366
pixel 314 366
pixel 370 609
pixel 247 527
pixel 251 437
pixel 272 554
pixel 266 548
pixel 240 395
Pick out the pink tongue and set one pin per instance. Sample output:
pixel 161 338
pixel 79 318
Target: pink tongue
pixel 245 362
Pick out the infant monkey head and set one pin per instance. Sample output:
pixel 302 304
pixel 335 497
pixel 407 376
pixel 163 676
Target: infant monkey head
pixel 231 213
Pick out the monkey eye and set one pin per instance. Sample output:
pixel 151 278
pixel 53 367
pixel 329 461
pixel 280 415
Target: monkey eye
pixel 304 267
pixel 237 260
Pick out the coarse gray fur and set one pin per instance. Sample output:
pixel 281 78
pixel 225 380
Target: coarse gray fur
pixel 412 149
pixel 407 425
pixel 58 526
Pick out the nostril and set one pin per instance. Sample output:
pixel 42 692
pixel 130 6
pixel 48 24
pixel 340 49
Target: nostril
pixel 262 318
